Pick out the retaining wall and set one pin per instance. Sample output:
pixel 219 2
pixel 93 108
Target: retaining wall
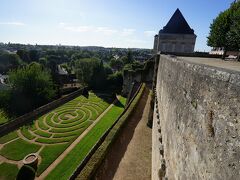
pixel 199 109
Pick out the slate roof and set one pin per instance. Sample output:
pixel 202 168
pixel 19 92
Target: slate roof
pixel 177 25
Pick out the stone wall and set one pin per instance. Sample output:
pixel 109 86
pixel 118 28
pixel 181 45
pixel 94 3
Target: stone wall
pixel 184 43
pixel 139 76
pixel 199 109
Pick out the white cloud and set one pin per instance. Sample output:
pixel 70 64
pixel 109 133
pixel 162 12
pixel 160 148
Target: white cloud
pixel 106 30
pixel 62 24
pixel 78 28
pixel 128 32
pixel 91 29
pixel 75 28
pixel 137 41
pixel 149 33
pixel 12 23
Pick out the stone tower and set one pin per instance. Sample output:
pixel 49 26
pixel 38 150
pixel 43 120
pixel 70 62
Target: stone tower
pixel 176 36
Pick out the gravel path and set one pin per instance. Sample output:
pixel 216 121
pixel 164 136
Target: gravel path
pixel 136 162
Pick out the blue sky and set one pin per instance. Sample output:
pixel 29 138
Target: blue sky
pixel 109 23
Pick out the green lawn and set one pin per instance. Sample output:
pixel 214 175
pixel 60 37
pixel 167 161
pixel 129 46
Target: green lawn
pixel 8 171
pixel 18 149
pixel 8 137
pixel 68 165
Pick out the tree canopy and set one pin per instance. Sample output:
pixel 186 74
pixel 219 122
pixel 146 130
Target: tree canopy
pixel 225 29
pixel 9 61
pixel 31 87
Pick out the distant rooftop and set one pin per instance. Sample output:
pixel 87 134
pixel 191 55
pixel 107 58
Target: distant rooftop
pixel 177 25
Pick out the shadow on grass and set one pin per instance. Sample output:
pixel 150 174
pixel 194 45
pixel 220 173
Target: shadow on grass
pixel 108 96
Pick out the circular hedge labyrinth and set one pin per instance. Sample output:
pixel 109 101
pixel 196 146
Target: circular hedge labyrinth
pixel 65 123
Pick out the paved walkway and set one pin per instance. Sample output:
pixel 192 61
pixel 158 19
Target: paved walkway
pixel 62 156
pixel 215 62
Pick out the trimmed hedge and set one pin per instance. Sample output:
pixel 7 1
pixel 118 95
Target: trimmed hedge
pixel 97 158
pixel 26 133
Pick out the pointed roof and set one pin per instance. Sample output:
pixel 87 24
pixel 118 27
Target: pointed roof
pixel 177 25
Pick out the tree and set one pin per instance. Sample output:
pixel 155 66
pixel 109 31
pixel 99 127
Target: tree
pixel 9 61
pixel 115 80
pixel 24 55
pixel 31 87
pixel 129 57
pixel 116 64
pixel 33 55
pixel 84 69
pixel 224 31
pixel 43 61
pixel 233 35
pixel 92 73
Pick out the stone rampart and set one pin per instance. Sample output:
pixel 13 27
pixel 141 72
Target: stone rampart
pixel 199 112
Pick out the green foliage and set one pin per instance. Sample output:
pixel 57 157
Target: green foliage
pixel 116 64
pixel 8 171
pixel 233 35
pixel 54 140
pixel 9 61
pixel 42 133
pixel 13 152
pixel 83 125
pixel 85 68
pixel 34 55
pixel 225 29
pixel 134 66
pixel 115 80
pixel 129 57
pixel 219 29
pixel 26 133
pixel 43 61
pixel 24 55
pixel 42 125
pixel 31 87
pixel 91 72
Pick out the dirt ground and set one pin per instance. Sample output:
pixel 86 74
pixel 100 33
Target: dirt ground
pixel 130 156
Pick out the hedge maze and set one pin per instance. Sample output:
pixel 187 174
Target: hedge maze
pixel 51 133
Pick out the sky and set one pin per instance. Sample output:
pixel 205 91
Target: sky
pixel 108 23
